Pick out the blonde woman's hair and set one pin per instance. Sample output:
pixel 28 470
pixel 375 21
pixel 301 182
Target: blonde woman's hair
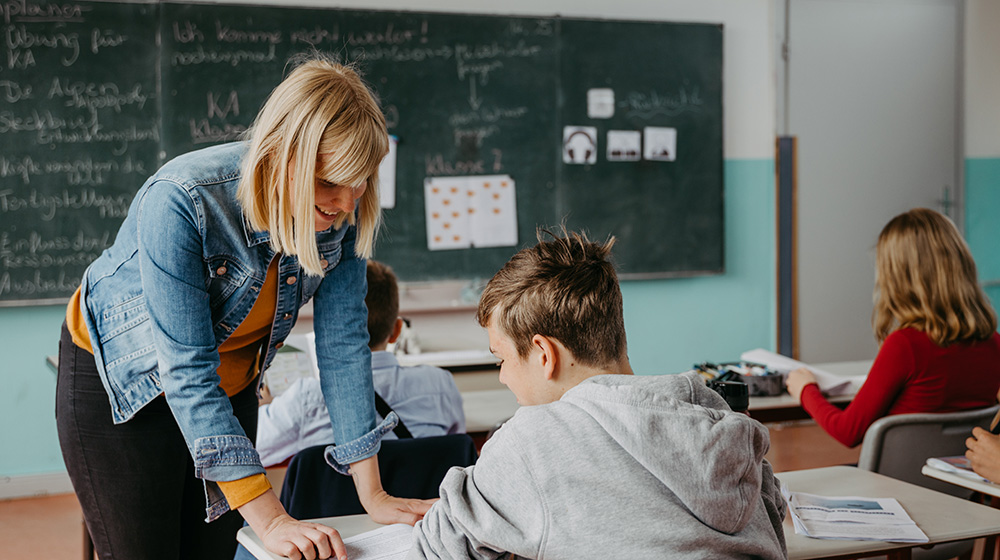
pixel 565 288
pixel 926 280
pixel 321 108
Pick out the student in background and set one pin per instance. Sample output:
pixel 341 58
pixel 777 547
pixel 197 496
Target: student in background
pixel 424 397
pixel 598 463
pixel 163 343
pixel 939 348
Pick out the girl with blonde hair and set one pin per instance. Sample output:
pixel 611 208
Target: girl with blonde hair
pixel 165 341
pixel 939 350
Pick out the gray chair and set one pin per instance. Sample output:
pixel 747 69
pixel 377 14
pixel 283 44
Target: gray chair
pixel 898 446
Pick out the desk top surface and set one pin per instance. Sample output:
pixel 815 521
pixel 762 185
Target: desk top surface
pixel 941 517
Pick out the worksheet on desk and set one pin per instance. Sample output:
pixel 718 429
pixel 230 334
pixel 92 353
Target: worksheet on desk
pixel 391 542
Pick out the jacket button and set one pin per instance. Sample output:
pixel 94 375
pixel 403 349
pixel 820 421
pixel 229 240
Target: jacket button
pixel 221 270
pixel 288 316
pixel 324 263
pixel 279 345
pixel 290 280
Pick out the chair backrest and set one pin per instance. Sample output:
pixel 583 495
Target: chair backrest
pixel 410 468
pixel 899 445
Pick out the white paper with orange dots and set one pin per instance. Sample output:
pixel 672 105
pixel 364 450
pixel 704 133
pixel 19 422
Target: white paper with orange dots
pixel 470 211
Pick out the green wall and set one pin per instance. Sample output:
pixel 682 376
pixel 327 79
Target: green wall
pixel 982 218
pixel 27 401
pixel 673 324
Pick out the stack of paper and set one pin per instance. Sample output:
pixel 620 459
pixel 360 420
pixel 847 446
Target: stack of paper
pixel 957 464
pixel 829 383
pixel 851 518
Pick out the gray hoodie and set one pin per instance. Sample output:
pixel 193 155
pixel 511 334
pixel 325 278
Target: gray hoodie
pixel 621 467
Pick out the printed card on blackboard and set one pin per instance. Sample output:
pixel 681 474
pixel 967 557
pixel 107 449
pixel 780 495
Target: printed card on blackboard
pixel 387 176
pixel 447 210
pixel 470 211
pixel 660 143
pixel 493 211
pixel 624 145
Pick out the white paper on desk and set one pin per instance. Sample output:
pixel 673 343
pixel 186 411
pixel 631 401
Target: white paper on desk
pixel 956 464
pixel 851 518
pixel 385 543
pixel 829 384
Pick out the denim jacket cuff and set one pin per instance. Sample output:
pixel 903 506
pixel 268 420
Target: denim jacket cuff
pixel 223 458
pixel 340 457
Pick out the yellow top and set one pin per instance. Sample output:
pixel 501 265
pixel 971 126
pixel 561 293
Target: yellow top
pixel 237 365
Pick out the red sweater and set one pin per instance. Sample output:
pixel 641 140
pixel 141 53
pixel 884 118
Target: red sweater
pixel 913 374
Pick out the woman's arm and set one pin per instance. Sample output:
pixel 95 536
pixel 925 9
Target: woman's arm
pixel 345 366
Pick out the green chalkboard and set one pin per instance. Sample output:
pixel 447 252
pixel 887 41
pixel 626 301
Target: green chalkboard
pixel 476 102
pixel 79 133
pixel 666 82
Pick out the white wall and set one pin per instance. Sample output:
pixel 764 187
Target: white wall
pixel 982 79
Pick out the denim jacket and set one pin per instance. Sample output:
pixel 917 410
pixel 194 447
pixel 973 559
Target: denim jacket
pixel 182 274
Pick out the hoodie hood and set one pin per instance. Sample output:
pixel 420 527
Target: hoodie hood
pixel 685 435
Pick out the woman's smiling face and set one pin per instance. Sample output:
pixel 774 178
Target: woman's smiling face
pixel 332 200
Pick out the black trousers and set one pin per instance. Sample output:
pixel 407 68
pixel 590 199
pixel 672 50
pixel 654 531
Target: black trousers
pixel 135 481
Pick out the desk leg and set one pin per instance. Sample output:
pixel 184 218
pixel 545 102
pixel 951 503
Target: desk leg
pixel 990 548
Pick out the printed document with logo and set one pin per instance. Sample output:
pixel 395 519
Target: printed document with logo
pixel 851 518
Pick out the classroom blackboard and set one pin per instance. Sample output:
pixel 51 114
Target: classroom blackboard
pixel 79 133
pixel 464 95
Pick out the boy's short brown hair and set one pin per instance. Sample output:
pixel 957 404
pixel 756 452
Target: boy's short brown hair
pixel 565 288
pixel 382 301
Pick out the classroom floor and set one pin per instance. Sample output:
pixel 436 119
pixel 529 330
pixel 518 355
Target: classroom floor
pixel 50 526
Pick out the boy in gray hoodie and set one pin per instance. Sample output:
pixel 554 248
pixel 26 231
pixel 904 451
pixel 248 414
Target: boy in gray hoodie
pixel 599 463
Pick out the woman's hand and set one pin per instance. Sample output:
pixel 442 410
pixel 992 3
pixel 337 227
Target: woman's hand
pixel 283 535
pixel 797 380
pixel 382 507
pixel 984 454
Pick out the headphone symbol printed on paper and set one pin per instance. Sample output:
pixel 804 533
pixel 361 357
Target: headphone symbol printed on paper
pixel 579 146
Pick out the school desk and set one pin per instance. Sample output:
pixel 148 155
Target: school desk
pixel 941 517
pixel 784 407
pixel 987 488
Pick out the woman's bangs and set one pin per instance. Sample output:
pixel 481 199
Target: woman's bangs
pixel 354 160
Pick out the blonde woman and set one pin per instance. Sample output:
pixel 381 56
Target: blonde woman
pixel 164 342
pixel 939 348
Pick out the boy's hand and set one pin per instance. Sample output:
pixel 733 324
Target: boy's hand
pixel 797 380
pixel 382 507
pixel 387 509
pixel 984 454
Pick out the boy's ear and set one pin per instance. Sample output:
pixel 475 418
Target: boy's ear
pixel 548 355
pixel 397 329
